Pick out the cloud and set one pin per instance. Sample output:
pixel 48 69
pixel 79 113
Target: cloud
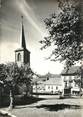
pixel 7 52
pixel 27 11
pixel 35 31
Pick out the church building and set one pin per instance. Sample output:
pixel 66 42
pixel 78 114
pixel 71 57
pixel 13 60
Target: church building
pixel 22 54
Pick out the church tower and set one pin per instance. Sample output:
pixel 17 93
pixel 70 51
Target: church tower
pixel 22 55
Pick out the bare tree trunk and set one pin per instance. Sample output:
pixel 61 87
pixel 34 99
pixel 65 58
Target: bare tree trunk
pixel 11 106
pixel 80 85
pixel 1 101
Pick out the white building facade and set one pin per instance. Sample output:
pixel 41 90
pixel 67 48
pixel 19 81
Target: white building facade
pixel 53 85
pixel 71 81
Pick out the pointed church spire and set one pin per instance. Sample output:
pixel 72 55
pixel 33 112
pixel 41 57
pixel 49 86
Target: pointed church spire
pixel 23 43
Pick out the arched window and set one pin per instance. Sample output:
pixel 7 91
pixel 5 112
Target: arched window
pixel 18 57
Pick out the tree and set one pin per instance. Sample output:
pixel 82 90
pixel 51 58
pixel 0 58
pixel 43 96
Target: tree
pixel 65 33
pixel 25 74
pixel 2 79
pixel 12 75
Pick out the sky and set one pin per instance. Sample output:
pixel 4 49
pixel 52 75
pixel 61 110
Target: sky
pixel 34 13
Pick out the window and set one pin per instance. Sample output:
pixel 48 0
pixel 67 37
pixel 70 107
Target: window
pixel 48 87
pixel 56 87
pixel 66 84
pixel 18 57
pixel 51 87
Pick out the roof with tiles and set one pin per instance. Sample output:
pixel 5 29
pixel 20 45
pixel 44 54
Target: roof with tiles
pixel 74 70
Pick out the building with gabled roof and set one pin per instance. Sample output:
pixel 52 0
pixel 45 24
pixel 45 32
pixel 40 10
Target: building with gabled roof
pixel 71 81
pixel 49 84
pixel 53 85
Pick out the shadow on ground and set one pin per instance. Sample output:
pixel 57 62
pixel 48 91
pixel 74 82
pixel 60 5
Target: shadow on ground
pixel 4 115
pixel 58 107
pixel 27 100
pixel 21 100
